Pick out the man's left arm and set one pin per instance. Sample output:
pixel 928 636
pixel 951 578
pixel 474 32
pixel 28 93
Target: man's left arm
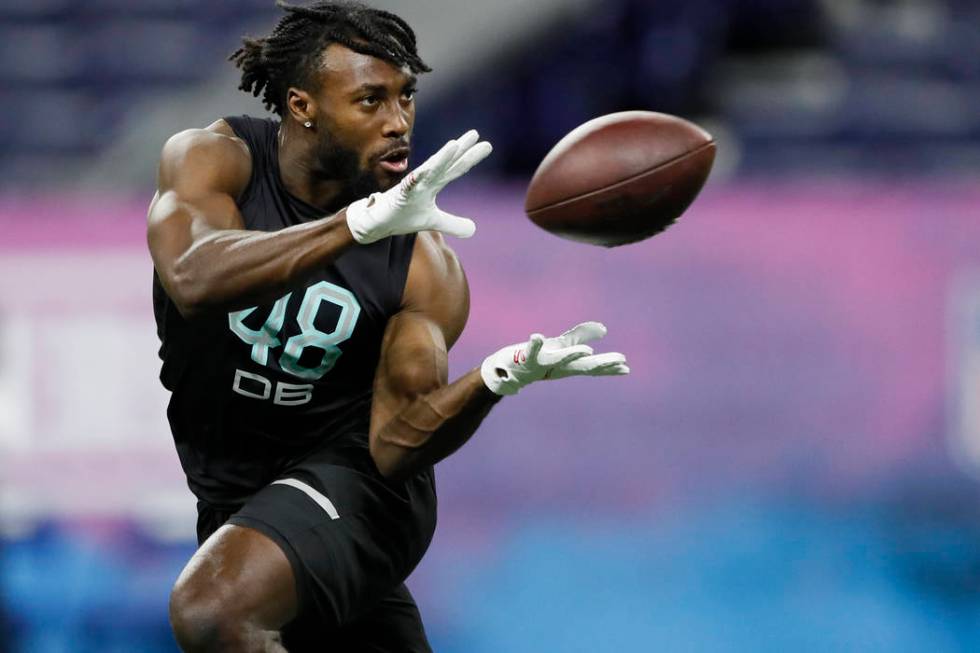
pixel 418 417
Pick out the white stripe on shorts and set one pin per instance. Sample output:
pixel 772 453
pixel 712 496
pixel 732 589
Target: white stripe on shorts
pixel 321 500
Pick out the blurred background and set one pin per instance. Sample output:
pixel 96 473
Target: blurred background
pixel 793 463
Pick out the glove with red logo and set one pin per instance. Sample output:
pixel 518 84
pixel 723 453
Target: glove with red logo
pixel 513 367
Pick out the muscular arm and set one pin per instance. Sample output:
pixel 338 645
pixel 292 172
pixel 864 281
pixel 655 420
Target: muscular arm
pixel 203 255
pixel 418 418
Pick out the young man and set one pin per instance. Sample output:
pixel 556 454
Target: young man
pixel 306 301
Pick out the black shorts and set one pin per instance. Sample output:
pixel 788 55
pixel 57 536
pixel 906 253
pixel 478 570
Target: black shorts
pixel 351 540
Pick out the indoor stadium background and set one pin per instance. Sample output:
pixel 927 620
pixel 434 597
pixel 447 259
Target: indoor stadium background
pixel 792 464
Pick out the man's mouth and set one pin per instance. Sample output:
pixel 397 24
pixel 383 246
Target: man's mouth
pixel 395 161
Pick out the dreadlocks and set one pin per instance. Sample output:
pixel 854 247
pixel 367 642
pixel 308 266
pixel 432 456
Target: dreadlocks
pixel 290 55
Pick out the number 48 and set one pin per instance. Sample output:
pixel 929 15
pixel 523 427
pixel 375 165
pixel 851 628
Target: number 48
pixel 266 337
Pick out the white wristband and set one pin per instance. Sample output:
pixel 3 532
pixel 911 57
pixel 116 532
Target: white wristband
pixel 359 220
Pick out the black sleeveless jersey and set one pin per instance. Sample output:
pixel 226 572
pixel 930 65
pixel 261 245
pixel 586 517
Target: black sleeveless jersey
pixel 255 390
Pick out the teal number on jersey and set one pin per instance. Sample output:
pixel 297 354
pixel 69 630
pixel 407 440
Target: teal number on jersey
pixel 266 336
pixel 310 336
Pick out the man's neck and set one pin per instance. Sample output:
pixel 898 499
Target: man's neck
pixel 298 175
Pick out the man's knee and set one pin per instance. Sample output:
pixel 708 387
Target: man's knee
pixel 199 620
pixel 205 621
pixel 234 595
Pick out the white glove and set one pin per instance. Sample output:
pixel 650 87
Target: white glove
pixel 513 367
pixel 411 205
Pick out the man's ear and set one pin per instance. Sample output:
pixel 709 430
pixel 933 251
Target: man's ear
pixel 300 105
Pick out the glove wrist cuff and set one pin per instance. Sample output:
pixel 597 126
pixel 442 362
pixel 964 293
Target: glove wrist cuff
pixel 359 221
pixel 500 385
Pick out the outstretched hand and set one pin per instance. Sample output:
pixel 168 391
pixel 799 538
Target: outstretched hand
pixel 411 205
pixel 513 367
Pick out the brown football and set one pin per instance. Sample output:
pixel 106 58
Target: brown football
pixel 620 178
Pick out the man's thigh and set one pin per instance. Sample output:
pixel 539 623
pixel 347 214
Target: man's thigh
pixel 350 539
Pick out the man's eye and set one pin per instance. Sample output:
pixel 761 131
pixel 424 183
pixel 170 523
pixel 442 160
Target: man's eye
pixel 369 101
pixel 409 94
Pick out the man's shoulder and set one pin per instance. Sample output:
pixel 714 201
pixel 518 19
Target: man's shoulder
pixel 216 140
pixel 212 151
pixel 433 248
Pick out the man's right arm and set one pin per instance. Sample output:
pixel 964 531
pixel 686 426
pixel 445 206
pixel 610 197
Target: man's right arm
pixel 205 258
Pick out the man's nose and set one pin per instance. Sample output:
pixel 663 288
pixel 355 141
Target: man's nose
pixel 396 122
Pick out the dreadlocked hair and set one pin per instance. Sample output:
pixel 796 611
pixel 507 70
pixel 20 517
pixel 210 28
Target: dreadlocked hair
pixel 290 55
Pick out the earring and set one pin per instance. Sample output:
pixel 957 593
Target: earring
pixel 307 124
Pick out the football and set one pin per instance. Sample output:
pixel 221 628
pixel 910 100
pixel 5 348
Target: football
pixel 620 178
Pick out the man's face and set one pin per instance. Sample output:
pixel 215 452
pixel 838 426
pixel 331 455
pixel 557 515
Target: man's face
pixel 365 115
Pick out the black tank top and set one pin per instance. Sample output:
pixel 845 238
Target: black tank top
pixel 256 390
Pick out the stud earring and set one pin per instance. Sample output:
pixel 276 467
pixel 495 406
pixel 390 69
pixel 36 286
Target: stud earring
pixel 307 124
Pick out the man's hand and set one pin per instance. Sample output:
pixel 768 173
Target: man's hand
pixel 513 367
pixel 411 205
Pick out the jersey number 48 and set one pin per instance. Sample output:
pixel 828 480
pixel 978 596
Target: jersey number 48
pixel 266 338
